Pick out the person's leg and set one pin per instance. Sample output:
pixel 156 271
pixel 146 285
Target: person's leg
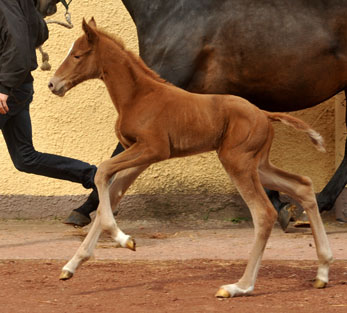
pixel 16 102
pixel 3 120
pixel 81 215
pixel 17 132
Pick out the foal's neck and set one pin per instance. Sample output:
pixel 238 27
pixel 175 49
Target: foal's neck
pixel 124 75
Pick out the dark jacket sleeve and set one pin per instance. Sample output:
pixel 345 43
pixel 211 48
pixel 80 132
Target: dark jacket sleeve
pixel 14 52
pixel 22 29
pixel 42 30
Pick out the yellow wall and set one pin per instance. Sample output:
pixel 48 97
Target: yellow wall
pixel 81 125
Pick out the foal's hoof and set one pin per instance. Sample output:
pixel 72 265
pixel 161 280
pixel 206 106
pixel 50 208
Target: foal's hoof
pixel 222 293
pixel 131 244
pixel 65 275
pixel 319 284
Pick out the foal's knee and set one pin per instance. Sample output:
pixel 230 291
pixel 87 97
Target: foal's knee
pixel 306 186
pixel 102 176
pixel 306 193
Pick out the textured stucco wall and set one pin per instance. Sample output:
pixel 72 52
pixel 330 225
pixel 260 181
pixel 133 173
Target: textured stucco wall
pixel 81 125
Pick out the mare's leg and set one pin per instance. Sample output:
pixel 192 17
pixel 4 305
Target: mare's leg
pixel 300 188
pixel 263 214
pixel 104 220
pixel 274 197
pixel 284 215
pixel 327 197
pixel 81 216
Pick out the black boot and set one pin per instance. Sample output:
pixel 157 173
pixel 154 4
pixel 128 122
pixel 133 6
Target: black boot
pixel 81 216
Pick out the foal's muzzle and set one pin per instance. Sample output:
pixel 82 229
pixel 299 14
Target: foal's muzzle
pixel 57 86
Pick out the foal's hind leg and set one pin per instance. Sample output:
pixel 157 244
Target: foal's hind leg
pixel 104 220
pixel 300 188
pixel 263 213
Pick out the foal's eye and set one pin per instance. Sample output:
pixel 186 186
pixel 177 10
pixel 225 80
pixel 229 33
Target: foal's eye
pixel 76 56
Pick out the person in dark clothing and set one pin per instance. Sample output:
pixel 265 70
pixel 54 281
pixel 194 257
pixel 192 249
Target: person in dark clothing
pixel 81 215
pixel 22 30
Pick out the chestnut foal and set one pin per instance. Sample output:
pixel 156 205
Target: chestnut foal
pixel 158 121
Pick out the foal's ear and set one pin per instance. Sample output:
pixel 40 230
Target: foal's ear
pixel 90 32
pixel 92 22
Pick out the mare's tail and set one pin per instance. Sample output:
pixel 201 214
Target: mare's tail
pixel 298 124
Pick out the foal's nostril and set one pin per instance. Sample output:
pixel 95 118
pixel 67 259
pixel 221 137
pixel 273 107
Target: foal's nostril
pixel 50 85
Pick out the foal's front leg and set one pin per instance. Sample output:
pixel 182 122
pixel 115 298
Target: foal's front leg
pixel 110 197
pixel 107 220
pixel 104 220
pixel 84 252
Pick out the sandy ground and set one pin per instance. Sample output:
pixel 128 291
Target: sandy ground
pixel 175 268
pixel 54 240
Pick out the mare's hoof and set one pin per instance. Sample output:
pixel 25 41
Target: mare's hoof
pixel 319 284
pixel 77 219
pixel 284 216
pixel 65 275
pixel 302 221
pixel 222 293
pixel 131 244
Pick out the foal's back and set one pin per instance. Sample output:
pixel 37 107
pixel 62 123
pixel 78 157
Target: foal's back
pixel 196 123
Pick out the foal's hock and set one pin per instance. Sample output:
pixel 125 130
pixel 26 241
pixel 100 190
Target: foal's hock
pixel 158 121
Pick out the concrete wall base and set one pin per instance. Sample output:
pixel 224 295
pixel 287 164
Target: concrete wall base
pixel 168 207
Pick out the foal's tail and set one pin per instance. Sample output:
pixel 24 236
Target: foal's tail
pixel 298 124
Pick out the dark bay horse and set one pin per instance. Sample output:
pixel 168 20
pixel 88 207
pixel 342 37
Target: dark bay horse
pixel 46 7
pixel 280 55
pixel 159 121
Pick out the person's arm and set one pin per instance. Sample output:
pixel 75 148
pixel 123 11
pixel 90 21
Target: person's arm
pixel 42 35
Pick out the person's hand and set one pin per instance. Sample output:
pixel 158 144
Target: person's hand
pixel 3 103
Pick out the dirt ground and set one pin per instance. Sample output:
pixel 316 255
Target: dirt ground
pixel 176 268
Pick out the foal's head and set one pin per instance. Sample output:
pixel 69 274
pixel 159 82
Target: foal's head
pixel 80 64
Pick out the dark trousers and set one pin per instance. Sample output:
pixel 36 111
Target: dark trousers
pixel 17 132
pixel 92 202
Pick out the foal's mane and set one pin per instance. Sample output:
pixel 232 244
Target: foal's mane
pixel 133 57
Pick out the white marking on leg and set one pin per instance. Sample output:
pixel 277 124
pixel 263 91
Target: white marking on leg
pixel 121 238
pixel 323 273
pixel 234 290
